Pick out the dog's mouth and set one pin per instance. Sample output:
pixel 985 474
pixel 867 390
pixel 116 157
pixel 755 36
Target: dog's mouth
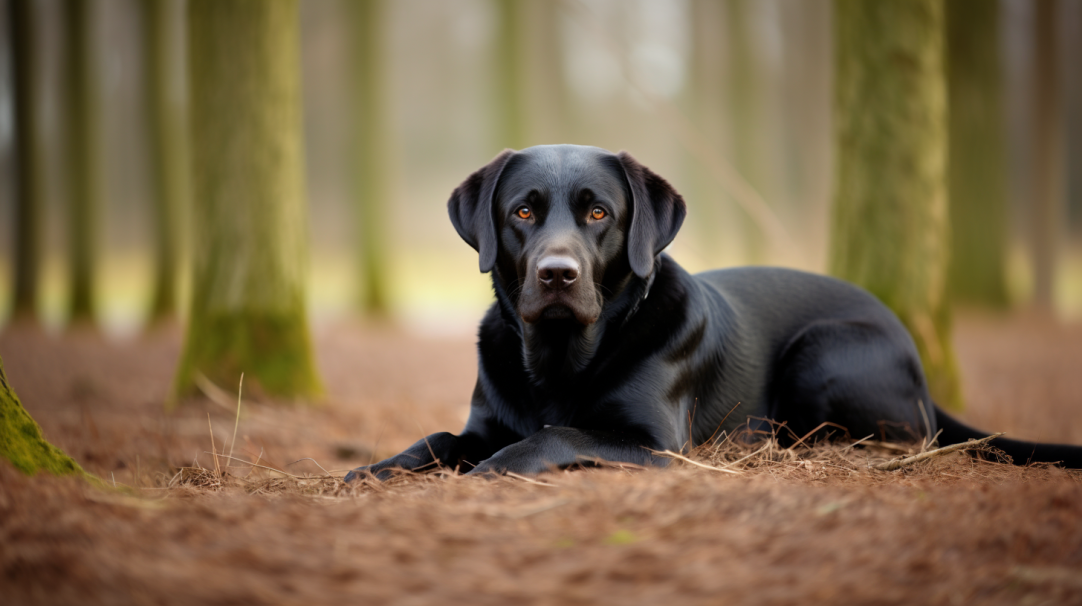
pixel 558 308
pixel 557 312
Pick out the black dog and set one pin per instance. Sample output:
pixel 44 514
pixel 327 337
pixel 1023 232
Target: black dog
pixel 600 347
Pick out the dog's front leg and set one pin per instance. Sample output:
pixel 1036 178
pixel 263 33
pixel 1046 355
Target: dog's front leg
pixel 557 447
pixel 439 448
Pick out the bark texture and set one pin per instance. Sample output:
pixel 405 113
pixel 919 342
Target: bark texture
pixel 249 214
pixel 371 181
pixel 21 441
pixel 978 170
pixel 890 224
pixel 29 153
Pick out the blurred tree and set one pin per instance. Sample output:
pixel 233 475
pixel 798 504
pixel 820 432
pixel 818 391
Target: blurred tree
pixel 29 154
pixel 977 174
pixel 705 95
pixel 169 171
pixel 247 309
pixel 745 100
pixel 21 441
pixel 510 53
pixel 1047 201
pixel 1072 47
pixel 890 225
pixel 370 142
pixel 83 156
pixel 545 94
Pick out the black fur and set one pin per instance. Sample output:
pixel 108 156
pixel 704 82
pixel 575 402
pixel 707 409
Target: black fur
pixel 636 355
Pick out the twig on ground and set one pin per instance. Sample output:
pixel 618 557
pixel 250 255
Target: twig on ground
pixel 680 457
pixel 906 461
pixel 312 460
pixel 530 480
pixel 285 473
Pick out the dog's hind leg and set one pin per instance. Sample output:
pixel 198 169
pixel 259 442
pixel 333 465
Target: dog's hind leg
pixel 864 376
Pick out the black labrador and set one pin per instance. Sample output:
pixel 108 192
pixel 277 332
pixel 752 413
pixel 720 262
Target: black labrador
pixel 601 347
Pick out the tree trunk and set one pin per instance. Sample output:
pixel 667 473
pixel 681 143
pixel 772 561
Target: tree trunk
pixel 370 141
pixel 29 193
pixel 83 158
pixel 510 51
pixel 977 158
pixel 166 129
pixel 1047 203
pixel 21 441
pixel 890 226
pixel 745 102
pixel 247 309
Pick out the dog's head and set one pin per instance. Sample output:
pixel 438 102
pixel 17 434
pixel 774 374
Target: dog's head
pixel 565 226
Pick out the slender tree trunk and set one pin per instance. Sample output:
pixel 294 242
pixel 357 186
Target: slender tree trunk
pixel 21 441
pixel 371 182
pixel 166 129
pixel 1071 46
pixel 977 158
pixel 890 225
pixel 510 65
pixel 546 95
pixel 249 216
pixel 83 157
pixel 706 91
pixel 29 193
pixel 746 103
pixel 1047 204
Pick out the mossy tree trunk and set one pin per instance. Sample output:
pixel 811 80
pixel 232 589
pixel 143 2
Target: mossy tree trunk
pixel 83 157
pixel 166 128
pixel 370 142
pixel 29 193
pixel 977 158
pixel 890 224
pixel 1047 214
pixel 249 225
pixel 21 441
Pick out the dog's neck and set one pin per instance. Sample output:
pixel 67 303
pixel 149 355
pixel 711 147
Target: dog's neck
pixel 554 352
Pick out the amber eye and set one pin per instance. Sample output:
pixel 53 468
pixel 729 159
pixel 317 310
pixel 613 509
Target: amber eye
pixel 598 213
pixel 523 213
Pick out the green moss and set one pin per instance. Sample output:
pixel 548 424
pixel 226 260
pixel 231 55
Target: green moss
pixel 272 350
pixel 21 441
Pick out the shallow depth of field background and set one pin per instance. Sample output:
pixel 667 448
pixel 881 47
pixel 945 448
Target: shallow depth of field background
pixel 618 74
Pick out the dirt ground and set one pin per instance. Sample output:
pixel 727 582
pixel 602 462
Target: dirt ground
pixel 807 526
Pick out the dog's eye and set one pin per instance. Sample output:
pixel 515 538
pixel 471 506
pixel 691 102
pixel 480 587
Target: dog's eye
pixel 523 213
pixel 598 213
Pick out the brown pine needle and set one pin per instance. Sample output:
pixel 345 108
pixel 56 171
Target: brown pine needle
pixel 236 424
pixel 213 451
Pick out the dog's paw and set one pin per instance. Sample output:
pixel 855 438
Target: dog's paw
pixel 381 473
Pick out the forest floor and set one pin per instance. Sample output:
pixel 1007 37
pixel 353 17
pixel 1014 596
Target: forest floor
pixel 813 525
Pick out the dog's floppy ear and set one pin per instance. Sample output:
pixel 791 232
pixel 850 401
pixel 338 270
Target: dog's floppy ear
pixel 470 208
pixel 657 213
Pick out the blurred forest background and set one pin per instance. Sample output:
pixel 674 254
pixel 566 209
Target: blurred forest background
pixel 714 95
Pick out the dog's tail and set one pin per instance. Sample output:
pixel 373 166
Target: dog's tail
pixel 1021 452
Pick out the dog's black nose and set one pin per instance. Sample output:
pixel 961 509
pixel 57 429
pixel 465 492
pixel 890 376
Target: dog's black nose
pixel 557 272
